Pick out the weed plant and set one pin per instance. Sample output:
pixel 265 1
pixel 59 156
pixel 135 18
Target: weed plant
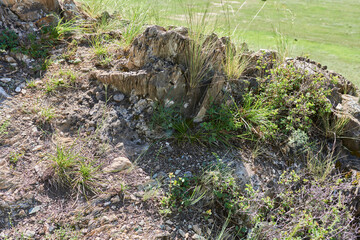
pixel 3 129
pixel 299 97
pixel 299 208
pixel 8 40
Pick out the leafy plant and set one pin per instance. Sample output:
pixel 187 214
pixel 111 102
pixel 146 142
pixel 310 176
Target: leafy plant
pixel 3 128
pixel 298 97
pixel 299 207
pixel 8 39
pixel 15 157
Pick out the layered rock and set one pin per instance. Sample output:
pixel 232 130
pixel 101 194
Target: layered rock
pixel 158 69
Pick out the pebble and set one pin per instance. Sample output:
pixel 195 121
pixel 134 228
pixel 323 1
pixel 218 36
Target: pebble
pixel 5 80
pixel 119 97
pixel 197 229
pixel 198 237
pixel 29 234
pixel 115 199
pixel 3 93
pixel 37 148
pixel 169 222
pixel 182 233
pixel 18 89
pixel 177 172
pixel 35 210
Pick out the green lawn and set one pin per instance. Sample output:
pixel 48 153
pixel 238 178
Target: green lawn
pixel 327 31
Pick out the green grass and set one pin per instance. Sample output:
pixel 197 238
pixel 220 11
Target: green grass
pixel 319 29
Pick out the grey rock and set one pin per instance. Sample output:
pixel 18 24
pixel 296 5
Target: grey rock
pixel 5 80
pixel 3 93
pixel 119 97
pixel 34 210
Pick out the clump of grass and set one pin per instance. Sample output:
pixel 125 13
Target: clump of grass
pixel 47 114
pixel 234 63
pixel 55 83
pixel 31 84
pixel 132 28
pixel 74 172
pixel 100 50
pixel 199 53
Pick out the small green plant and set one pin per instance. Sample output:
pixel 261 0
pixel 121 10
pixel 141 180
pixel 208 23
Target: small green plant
pixel 64 233
pixel 69 75
pixel 31 84
pixel 3 128
pixel 15 157
pixel 55 83
pixel 8 40
pixel 47 114
pixel 64 29
pixel 100 50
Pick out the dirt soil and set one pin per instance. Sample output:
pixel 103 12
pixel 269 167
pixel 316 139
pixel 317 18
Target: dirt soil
pixel 102 124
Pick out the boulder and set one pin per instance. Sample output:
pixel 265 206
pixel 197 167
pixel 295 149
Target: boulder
pixel 31 10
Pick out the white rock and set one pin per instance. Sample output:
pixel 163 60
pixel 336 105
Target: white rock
pixel 5 80
pixel 18 89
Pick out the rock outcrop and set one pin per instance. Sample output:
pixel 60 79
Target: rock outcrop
pixel 158 69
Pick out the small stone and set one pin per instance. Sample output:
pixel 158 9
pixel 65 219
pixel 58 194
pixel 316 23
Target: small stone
pixel 18 89
pixel 29 234
pixel 35 210
pixel 3 93
pixel 188 174
pixel 118 164
pixel 198 237
pixel 77 60
pixel 10 59
pixel 107 204
pixel 169 222
pixel 51 228
pixel 5 80
pixel 115 199
pixel 182 233
pixel 37 148
pixel 22 213
pixel 119 97
pixel 197 229
pixel 162 236
pixel 177 172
